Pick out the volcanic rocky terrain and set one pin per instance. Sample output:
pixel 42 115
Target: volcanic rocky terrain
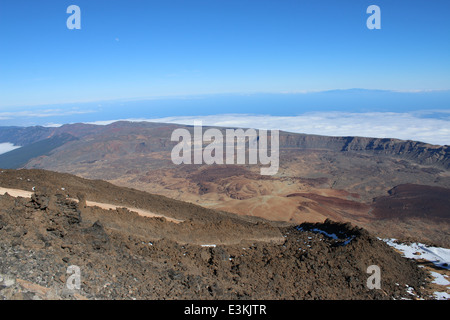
pixel 393 188
pixel 109 200
pixel 184 251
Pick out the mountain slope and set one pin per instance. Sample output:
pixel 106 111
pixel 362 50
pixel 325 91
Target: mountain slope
pixel 211 255
pixel 19 157
pixel 419 152
pixel 331 177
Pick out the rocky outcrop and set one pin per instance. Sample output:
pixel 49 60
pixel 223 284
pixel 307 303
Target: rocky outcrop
pixel 42 242
pixel 419 152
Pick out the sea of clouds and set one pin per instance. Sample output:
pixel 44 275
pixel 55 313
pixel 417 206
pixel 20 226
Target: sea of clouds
pixel 417 126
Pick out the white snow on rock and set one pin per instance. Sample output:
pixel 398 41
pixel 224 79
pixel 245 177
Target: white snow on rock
pixel 439 256
pixel 440 279
pixel 441 295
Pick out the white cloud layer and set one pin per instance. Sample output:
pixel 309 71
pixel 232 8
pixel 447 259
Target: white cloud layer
pixel 406 126
pixel 6 147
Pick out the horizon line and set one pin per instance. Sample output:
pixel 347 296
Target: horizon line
pixel 194 95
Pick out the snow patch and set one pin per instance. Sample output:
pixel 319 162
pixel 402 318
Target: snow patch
pixel 440 257
pixel 441 295
pixel 440 279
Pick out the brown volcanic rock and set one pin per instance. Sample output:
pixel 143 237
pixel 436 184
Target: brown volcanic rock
pixel 412 200
pixel 340 203
pixel 124 256
pixel 101 191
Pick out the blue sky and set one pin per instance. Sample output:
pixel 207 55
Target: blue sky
pixel 189 57
pixel 132 49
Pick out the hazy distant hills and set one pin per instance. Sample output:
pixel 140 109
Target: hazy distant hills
pixel 19 157
pixel 419 152
pixel 39 141
pixel 23 136
pixel 320 177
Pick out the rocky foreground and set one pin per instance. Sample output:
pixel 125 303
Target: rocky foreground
pixel 121 255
